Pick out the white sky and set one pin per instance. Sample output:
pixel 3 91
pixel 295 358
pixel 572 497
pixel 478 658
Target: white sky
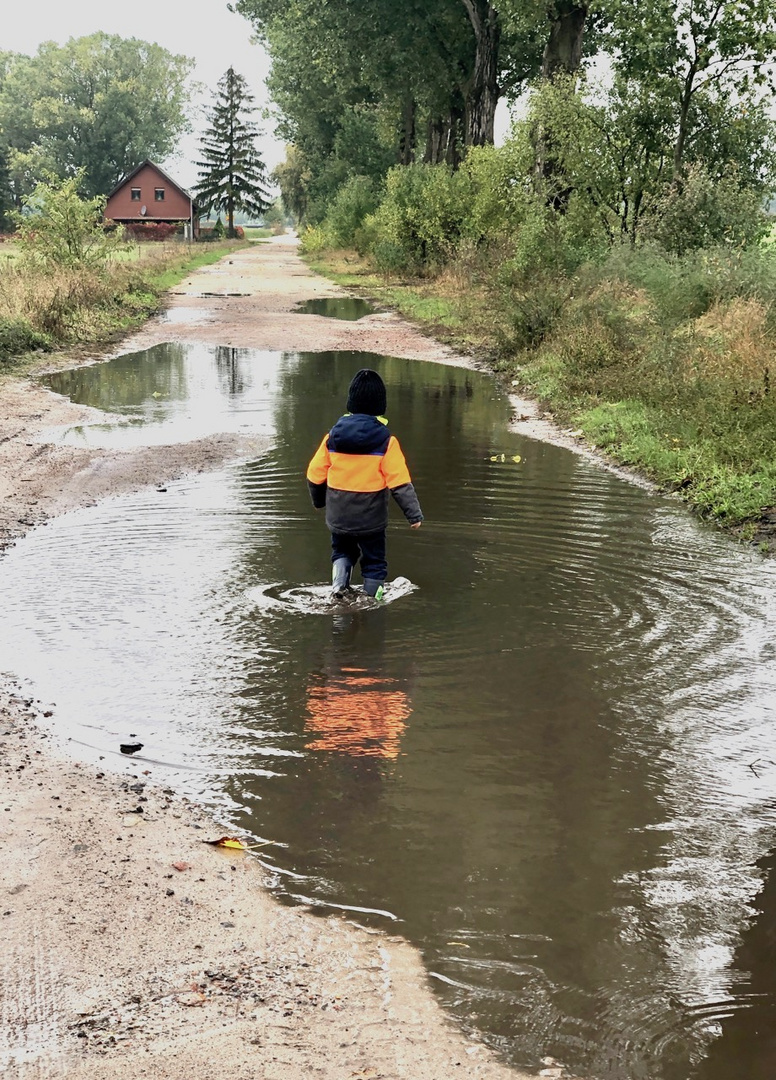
pixel 206 31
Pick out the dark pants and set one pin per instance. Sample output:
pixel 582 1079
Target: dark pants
pixel 370 549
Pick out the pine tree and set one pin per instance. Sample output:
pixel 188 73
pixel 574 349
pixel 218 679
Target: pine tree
pixel 232 173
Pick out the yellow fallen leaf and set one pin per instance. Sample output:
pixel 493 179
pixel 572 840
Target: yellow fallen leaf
pixel 494 457
pixel 228 842
pixel 517 459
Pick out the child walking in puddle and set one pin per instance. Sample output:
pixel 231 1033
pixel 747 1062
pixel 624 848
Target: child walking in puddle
pixel 358 462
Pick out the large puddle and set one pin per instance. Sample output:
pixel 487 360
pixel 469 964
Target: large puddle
pixel 549 764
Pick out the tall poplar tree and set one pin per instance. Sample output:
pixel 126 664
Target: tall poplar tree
pixel 232 173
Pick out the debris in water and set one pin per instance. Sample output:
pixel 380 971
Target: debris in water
pixel 236 842
pixel 130 747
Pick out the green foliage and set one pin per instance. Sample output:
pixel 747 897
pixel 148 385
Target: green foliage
pixel 231 173
pixel 18 337
pixel 361 87
pixel 100 104
pixel 293 177
pixel 6 197
pixel 59 228
pixel 274 218
pixel 421 218
pixel 701 210
pixel 695 48
pixel 314 240
pixel 355 200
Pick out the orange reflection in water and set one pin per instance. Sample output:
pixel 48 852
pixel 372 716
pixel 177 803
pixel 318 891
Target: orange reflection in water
pixel 355 713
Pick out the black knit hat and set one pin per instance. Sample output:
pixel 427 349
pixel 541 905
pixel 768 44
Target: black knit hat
pixel 367 393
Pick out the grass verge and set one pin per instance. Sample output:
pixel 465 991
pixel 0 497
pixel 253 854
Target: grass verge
pixel 47 309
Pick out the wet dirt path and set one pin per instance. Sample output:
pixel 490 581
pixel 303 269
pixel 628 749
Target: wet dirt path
pixel 128 947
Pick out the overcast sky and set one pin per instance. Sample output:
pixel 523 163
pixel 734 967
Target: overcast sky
pixel 206 31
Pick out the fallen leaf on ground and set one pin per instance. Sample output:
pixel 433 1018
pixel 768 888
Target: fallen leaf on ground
pixel 181 865
pixel 235 842
pixel 228 842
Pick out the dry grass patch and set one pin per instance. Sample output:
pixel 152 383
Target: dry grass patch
pixel 732 341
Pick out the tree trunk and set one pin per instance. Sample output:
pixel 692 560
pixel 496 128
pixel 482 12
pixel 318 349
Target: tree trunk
pixel 562 56
pixel 455 135
pixel 483 92
pixel 684 113
pixel 407 140
pixel 563 51
pixel 437 135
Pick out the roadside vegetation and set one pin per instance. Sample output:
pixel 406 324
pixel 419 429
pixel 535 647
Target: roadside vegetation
pixel 65 281
pixel 663 359
pixel 611 258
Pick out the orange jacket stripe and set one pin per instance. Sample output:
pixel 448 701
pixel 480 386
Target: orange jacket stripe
pixel 359 472
pixel 318 469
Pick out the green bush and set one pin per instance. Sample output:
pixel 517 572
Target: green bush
pixel 314 239
pixel 421 219
pixel 18 337
pixel 684 287
pixel 355 200
pixel 702 210
pixel 59 228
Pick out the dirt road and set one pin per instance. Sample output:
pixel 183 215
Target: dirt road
pixel 130 948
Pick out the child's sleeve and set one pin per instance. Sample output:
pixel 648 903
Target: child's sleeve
pixel 317 473
pixel 397 478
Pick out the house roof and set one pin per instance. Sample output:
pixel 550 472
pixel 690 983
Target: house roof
pixel 167 177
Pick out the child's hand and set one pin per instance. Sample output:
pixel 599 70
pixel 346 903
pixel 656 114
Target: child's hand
pixel 416 525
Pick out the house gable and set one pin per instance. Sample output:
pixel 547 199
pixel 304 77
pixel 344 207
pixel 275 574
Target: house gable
pixel 149 194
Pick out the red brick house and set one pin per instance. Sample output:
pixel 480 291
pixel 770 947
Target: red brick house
pixel 148 194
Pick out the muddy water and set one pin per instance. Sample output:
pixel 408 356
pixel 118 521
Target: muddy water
pixel 350 308
pixel 550 765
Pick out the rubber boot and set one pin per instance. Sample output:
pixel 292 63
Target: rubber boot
pixel 373 588
pixel 340 578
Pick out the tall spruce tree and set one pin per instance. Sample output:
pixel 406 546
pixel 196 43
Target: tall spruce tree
pixel 232 173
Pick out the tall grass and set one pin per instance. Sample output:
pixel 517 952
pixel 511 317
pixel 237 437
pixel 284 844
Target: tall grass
pixel 46 306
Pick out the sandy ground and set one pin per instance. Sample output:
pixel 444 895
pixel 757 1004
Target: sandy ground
pixel 127 946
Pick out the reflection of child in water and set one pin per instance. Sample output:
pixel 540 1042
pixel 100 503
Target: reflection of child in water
pixel 355 705
pixel 356 713
pixel 358 462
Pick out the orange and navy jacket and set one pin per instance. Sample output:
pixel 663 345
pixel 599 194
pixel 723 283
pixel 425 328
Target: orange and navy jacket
pixel 354 468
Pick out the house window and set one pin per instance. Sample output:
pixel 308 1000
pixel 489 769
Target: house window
pixel 135 194
pixel 159 194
